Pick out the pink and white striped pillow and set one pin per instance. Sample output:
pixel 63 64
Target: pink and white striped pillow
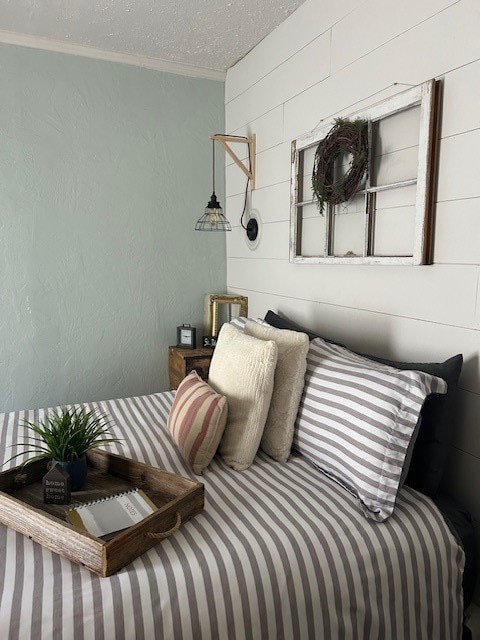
pixel 197 421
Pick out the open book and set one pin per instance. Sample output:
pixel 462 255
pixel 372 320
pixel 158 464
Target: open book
pixel 117 512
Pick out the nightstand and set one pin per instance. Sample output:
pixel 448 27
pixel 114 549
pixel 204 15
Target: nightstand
pixel 182 361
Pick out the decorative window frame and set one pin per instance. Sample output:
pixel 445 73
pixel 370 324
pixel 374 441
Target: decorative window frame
pixel 426 96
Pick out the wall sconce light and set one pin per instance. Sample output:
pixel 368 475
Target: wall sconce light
pixel 213 218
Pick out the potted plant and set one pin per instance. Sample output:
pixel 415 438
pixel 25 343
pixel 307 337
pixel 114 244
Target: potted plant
pixel 65 436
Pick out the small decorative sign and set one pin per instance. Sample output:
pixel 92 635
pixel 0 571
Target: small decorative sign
pixel 209 341
pixel 56 486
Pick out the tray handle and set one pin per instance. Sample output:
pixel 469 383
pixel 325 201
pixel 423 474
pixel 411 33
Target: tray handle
pixel 160 535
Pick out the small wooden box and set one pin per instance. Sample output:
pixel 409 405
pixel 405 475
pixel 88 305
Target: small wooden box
pixel 182 361
pixel 22 508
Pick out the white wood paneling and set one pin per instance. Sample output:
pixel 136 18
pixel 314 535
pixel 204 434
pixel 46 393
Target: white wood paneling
pixel 458 178
pixel 477 304
pixel 325 100
pixel 429 313
pixel 457 224
pixel 308 21
pixel 273 244
pixel 375 23
pixel 268 129
pixel 449 37
pixel 384 289
pixel 390 336
pixel 233 208
pixel 273 202
pixel 282 83
pixel 235 180
pixel 273 166
pixel 461 98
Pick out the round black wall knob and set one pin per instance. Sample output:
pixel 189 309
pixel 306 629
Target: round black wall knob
pixel 252 229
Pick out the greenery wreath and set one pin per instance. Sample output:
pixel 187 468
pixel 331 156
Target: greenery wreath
pixel 345 137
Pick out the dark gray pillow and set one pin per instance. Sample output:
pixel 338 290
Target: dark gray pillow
pixel 432 446
pixel 283 323
pixel 430 453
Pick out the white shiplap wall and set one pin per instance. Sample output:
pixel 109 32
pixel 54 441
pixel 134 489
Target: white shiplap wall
pixel 329 58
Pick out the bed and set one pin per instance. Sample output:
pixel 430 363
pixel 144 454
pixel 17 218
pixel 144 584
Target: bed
pixel 280 551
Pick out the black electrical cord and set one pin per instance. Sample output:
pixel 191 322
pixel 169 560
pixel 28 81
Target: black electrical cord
pixel 245 204
pixel 248 179
pixel 213 164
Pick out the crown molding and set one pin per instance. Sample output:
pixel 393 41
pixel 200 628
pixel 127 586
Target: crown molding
pixel 70 48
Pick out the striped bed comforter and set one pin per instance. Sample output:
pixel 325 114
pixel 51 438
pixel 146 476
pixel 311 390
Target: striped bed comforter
pixel 280 551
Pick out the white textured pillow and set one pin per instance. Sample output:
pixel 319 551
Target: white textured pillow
pixel 287 389
pixel 356 419
pixel 242 369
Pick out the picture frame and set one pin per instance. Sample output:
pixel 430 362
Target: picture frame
pixel 209 342
pixel 216 301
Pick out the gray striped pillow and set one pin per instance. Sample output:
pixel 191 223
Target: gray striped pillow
pixel 355 421
pixel 240 322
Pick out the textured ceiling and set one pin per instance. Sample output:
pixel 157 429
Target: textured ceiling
pixel 211 34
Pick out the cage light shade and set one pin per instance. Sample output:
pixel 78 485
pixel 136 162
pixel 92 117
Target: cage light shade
pixel 213 218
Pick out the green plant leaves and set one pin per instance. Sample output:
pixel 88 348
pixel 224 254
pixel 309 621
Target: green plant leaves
pixel 67 434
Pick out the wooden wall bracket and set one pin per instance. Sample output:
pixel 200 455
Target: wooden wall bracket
pixel 224 141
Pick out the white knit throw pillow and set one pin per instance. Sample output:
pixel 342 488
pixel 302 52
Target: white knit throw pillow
pixel 287 389
pixel 242 369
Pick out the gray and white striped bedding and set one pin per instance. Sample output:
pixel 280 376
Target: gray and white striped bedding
pixel 280 551
pixel 356 419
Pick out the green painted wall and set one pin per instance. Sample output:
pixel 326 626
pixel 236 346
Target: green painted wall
pixel 104 169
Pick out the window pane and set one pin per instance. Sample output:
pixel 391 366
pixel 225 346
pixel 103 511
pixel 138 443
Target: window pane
pixel 305 179
pixel 395 147
pixel 313 231
pixel 399 197
pixel 348 226
pixel 395 222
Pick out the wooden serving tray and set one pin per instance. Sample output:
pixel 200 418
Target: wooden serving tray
pixel 22 508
